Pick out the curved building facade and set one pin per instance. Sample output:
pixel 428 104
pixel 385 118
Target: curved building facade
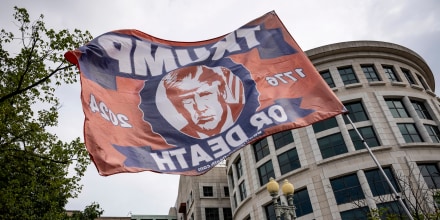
pixel 389 91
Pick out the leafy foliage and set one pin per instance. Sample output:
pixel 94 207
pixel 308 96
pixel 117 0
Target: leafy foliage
pixel 91 212
pixel 34 180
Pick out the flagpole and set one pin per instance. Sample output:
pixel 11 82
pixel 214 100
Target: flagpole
pixel 397 196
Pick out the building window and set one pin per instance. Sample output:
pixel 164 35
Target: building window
pixel 421 110
pixel 397 108
pixel 378 185
pixel 235 201
pixel 227 214
pixel 324 125
pixel 231 177
pixel 392 208
pixel 328 78
pixel 422 81
pixel 226 191
pixel 409 132
pixel 431 175
pixel 433 132
pixel 207 191
pixel 212 214
pixel 390 73
pixel 242 189
pixel 302 202
pixel 357 213
pixel 332 145
pixel 288 161
pixel 270 212
pixel 356 112
pixel 347 75
pixel 265 172
pixel 261 149
pixel 369 136
pixel 370 73
pixel 347 189
pixel 282 139
pixel 408 76
pixel 239 168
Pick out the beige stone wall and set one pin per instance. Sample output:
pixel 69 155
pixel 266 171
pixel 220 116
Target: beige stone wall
pixel 315 173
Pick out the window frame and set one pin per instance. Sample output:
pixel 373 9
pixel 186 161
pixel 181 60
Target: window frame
pixel 269 172
pixel 370 73
pixel 327 76
pixel 411 135
pixel 261 149
pixel 282 138
pixel 368 134
pixel 348 75
pixel 291 162
pixel 334 147
pixel 356 114
pixel 396 110
pixel 391 73
pixel 345 194
pixel 208 191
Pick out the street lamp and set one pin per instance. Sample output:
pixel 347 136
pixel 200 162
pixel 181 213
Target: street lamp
pixel 280 209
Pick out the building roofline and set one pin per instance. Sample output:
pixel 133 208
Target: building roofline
pixel 344 48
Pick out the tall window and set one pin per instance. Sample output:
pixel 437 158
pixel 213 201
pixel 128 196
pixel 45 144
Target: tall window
pixel 239 168
pixel 302 202
pixel 369 136
pixel 421 110
pixel 397 108
pixel 212 214
pixel 231 178
pixel 289 161
pixel 242 189
pixel 431 175
pixel 392 208
pixel 332 145
pixel 227 214
pixel 409 132
pixel 433 132
pixel 357 213
pixel 347 75
pixel 425 86
pixel 391 74
pixel 282 139
pixel 270 212
pixel 408 76
pixel 226 191
pixel 370 73
pixel 328 78
pixel 324 125
pixel 207 191
pixel 378 185
pixel 265 172
pixel 347 189
pixel 356 112
pixel 261 149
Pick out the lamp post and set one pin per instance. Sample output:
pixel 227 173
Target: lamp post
pixel 280 209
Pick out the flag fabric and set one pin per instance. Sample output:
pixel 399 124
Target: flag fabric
pixel 182 107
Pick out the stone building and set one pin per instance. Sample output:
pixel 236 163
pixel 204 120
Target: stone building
pixel 389 91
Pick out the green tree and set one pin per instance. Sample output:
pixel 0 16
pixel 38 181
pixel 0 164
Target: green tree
pixel 91 212
pixel 35 181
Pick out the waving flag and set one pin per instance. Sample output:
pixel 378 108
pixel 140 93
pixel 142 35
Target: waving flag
pixel 183 107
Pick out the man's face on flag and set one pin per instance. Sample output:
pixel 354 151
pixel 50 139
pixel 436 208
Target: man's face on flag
pixel 202 101
pixel 197 92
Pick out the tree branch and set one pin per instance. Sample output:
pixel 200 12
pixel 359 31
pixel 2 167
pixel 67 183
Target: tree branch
pixel 16 92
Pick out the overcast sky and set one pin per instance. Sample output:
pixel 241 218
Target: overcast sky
pixel 313 23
